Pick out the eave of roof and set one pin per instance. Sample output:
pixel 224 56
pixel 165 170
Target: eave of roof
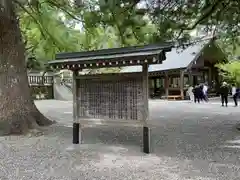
pixel 106 57
pixel 116 57
pixel 175 59
pixel 115 51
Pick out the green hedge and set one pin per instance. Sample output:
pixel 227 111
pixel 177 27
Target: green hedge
pixel 47 91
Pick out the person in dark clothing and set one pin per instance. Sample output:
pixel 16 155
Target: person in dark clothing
pixel 197 93
pixel 194 94
pixel 201 95
pixel 235 94
pixel 224 90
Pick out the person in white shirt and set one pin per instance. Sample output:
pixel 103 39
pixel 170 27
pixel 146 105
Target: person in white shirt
pixel 205 89
pixel 234 90
pixel 190 93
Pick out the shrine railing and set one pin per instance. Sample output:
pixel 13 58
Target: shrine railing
pixel 40 80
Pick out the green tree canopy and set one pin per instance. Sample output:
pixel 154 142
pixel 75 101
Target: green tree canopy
pixel 48 31
pixel 48 26
pixel 230 72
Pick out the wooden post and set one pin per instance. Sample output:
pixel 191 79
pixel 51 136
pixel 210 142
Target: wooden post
pixel 146 130
pixel 182 84
pixel 166 85
pixel 190 77
pixel 76 123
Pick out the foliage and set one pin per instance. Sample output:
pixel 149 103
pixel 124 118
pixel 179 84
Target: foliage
pixel 117 23
pixel 172 19
pixel 215 16
pixel 231 49
pixel 46 36
pixel 51 32
pixel 230 71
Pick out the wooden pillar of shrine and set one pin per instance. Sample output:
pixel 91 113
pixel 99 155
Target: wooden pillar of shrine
pixel 182 84
pixel 190 77
pixel 166 84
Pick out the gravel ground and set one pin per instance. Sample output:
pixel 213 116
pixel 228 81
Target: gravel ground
pixel 189 141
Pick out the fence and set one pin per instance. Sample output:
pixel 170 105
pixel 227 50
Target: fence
pixel 41 86
pixel 40 80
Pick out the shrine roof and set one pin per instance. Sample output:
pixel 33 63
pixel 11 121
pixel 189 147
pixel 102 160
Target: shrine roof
pixel 134 55
pixel 177 58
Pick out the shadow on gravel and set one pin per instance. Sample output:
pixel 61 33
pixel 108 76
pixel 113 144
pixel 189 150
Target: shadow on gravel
pixel 93 135
pixel 192 142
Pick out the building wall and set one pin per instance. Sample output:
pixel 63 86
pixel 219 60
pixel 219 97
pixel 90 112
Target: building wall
pixel 159 87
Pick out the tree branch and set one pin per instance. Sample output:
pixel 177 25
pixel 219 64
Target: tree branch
pixel 206 15
pixel 30 14
pixel 217 21
pixel 41 28
pixel 121 34
pixel 53 4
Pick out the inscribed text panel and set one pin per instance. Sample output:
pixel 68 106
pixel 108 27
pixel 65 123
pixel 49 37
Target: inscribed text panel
pixel 115 97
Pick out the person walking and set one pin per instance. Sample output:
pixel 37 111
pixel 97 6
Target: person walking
pixel 190 93
pixel 200 86
pixel 205 90
pixel 235 94
pixel 197 93
pixel 224 93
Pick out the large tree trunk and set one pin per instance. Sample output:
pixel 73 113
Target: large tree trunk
pixel 18 112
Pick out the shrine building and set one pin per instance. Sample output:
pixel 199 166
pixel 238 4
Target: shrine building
pixel 184 67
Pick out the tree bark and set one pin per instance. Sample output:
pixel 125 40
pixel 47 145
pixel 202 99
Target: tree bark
pixel 18 112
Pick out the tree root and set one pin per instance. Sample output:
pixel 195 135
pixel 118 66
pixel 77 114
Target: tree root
pixel 41 120
pixel 24 124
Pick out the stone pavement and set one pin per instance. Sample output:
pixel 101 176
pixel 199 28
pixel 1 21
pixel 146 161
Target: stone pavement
pixel 189 141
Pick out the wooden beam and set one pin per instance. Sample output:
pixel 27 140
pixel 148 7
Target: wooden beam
pixel 76 123
pixel 146 130
pixel 129 61
pixel 166 84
